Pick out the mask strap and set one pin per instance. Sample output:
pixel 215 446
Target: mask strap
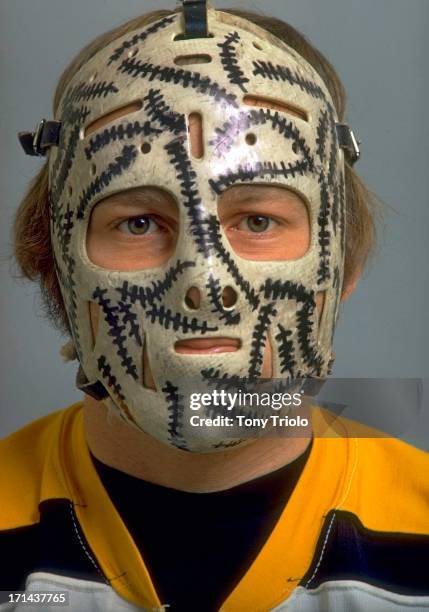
pixel 46 134
pixel 95 390
pixel 348 141
pixel 195 19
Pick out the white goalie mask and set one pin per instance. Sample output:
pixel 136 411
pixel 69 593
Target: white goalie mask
pixel 246 84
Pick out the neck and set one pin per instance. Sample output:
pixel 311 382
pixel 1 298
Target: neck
pixel 122 446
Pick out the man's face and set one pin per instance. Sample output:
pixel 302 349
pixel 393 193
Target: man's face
pixel 198 219
pixel 138 229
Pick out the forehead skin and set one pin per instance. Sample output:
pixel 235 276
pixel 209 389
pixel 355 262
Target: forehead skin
pixel 236 193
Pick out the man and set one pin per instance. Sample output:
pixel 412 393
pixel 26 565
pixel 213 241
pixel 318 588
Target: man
pixel 200 204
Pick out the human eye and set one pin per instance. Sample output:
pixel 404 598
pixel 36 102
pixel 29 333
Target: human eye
pixel 139 225
pixel 257 224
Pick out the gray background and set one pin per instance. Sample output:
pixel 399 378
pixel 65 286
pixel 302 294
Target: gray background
pixel 380 49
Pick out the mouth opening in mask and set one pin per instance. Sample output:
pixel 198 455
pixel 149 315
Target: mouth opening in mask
pixel 198 346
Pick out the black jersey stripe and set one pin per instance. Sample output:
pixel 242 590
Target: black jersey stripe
pixel 55 544
pixel 347 550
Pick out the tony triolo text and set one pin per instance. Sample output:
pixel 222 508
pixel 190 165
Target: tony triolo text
pixel 274 420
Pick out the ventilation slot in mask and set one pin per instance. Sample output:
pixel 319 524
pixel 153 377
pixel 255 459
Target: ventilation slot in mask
pixel 278 105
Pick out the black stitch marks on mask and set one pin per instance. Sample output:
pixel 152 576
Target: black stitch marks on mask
pixel 259 338
pixel 141 37
pixel 72 117
pixel 106 371
pixel 333 155
pixel 176 150
pixel 258 170
pixel 164 316
pixel 280 289
pixel 267 70
pixel 147 295
pixel 114 169
pixel 215 296
pixel 61 176
pixel 305 339
pixel 61 225
pixel 69 117
pixel 130 318
pixel 230 62
pixel 116 329
pixel 119 132
pixel 286 350
pixel 65 228
pixel 323 272
pixel 294 291
pixel 322 132
pixel 185 78
pixel 223 380
pixel 66 154
pixel 158 110
pixel 85 91
pixel 225 256
pixel 175 408
pixel 226 135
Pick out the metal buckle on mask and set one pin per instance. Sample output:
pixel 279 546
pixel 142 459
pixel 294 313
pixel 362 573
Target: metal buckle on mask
pixel 195 19
pixel 45 135
pixel 348 141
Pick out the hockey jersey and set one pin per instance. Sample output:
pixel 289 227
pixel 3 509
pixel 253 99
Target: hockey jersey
pixel 354 534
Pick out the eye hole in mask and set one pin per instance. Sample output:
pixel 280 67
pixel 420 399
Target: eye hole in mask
pixel 265 222
pixel 135 229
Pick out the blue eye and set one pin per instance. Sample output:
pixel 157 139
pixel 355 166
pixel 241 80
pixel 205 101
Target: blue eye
pixel 256 223
pixel 138 225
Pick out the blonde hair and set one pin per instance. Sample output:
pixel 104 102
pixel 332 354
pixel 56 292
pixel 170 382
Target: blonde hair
pixel 32 242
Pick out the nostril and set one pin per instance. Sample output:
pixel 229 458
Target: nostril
pixel 229 297
pixel 193 298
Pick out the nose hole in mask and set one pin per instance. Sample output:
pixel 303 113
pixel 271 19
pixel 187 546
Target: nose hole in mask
pixel 229 297
pixel 193 298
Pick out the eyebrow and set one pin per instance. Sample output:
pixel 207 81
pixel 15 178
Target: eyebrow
pixel 245 193
pixel 138 196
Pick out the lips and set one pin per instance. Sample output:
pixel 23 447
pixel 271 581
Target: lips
pixel 206 345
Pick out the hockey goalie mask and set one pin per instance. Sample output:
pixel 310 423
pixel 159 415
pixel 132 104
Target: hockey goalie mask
pixel 267 119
